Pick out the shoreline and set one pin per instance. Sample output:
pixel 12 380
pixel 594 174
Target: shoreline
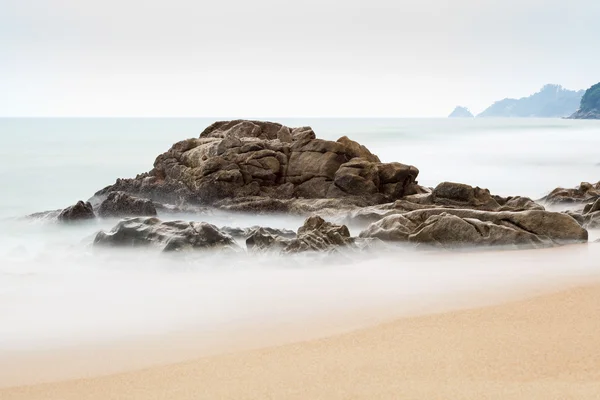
pixel 115 358
pixel 544 346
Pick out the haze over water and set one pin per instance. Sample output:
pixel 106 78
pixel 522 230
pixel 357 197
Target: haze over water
pixel 56 290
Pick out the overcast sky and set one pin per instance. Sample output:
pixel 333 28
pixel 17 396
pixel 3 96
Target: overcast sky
pixel 275 58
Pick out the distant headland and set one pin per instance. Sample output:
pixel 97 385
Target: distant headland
pixel 552 101
pixel 589 107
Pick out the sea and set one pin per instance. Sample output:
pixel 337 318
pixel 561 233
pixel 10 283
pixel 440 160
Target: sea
pixel 57 290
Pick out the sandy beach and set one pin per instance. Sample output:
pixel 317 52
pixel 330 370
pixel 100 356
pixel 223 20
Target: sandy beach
pixel 546 347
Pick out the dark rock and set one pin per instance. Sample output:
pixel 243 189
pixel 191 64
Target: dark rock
pixel 119 204
pixel 462 228
pixel 78 212
pixel 170 236
pixel 262 240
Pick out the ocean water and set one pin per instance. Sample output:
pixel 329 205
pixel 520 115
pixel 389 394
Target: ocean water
pixel 56 290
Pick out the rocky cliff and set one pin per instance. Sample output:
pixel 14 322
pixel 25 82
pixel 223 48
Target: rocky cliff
pixel 590 104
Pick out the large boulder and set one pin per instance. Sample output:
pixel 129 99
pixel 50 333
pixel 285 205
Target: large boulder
pixel 169 236
pixel 79 212
pixel 119 204
pixel 586 192
pixel 234 163
pixel 464 228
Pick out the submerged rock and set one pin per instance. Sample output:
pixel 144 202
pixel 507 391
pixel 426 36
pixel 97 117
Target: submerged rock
pixel 170 236
pixel 78 212
pixel 465 228
pixel 589 216
pixel 246 232
pixel 119 204
pixel 256 166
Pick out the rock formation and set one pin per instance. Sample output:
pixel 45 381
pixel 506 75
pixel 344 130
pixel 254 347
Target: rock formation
pixel 586 192
pixel 257 166
pixel 314 235
pixel 447 195
pixel 451 228
pixel 119 204
pixel 169 236
pixel 589 216
pixel 78 212
pixel 252 166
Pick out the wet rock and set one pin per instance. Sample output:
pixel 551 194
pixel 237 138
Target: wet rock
pixel 119 204
pixel 262 240
pixel 246 232
pixel 79 212
pixel 315 235
pixel 169 236
pixel 589 216
pixel 464 228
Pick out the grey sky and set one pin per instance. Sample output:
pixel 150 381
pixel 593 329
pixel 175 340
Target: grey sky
pixel 274 58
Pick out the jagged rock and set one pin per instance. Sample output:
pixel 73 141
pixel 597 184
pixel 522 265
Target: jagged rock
pixel 246 232
pixel 589 216
pixel 592 207
pixel 262 239
pixel 254 166
pixel 318 235
pixel 78 212
pixel 119 204
pixel 357 150
pixel 585 193
pixel 170 236
pixel 461 228
pixel 314 235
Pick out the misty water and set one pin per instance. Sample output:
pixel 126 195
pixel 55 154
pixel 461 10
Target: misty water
pixel 56 289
